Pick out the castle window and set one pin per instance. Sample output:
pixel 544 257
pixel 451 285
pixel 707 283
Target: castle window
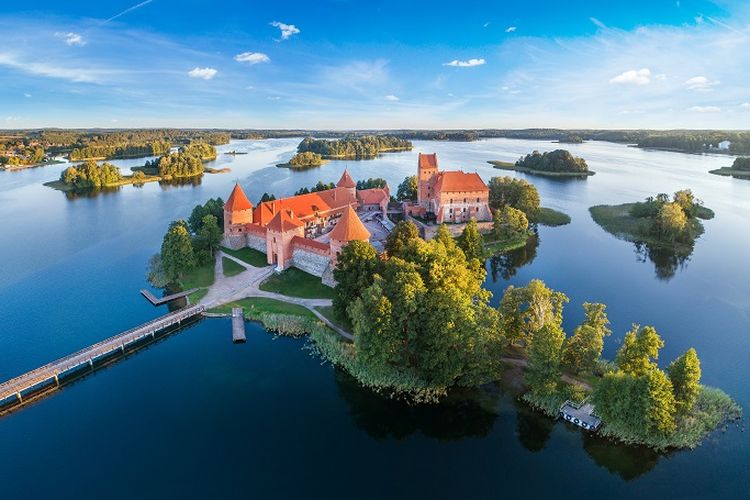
pixel 464 200
pixel 477 200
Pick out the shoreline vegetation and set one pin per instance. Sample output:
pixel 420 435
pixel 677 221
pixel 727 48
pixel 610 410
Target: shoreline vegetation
pixel 354 148
pixel 740 169
pixel 557 163
pixel 303 161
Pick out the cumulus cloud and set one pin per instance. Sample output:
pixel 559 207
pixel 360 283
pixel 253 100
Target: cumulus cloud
pixel 745 105
pixel 465 64
pixel 510 29
pixel 391 97
pixel 704 109
pixel 701 83
pixel 252 58
pixel 633 77
pixel 287 30
pixel 204 73
pixel 72 38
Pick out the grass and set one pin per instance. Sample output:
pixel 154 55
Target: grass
pixel 505 165
pixel 200 277
pixel 731 172
pixel 231 268
pixel 494 247
pixel 127 179
pixel 295 283
pixel 249 255
pixel 550 217
pixel 255 307
pixel 330 313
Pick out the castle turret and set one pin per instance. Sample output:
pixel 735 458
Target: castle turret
pixel 427 168
pixel 346 181
pixel 238 210
pixel 279 235
pixel 348 228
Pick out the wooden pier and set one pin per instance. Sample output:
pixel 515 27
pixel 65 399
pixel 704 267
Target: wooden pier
pixel 159 301
pixel 35 379
pixel 238 325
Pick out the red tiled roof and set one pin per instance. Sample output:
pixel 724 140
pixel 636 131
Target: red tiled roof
pixel 458 181
pixel 349 227
pixel 372 196
pixel 346 181
pixel 304 205
pixel 305 242
pixel 237 200
pixel 428 160
pixel 284 221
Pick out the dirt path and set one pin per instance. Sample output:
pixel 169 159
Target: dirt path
pixel 523 363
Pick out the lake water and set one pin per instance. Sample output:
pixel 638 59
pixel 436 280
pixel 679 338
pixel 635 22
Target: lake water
pixel 195 415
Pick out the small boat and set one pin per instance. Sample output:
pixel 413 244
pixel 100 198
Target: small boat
pixel 235 153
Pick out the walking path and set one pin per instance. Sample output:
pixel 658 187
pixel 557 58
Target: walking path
pixel 246 284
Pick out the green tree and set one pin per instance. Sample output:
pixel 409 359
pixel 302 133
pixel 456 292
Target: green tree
pixel 404 234
pixel 407 190
pixel 207 239
pixel 685 374
pixel 660 407
pixel 177 251
pixel 516 193
pixel 509 223
pixel 639 350
pixel 213 206
pixel 671 221
pixel 472 241
pixel 685 199
pixel 543 372
pixel 525 310
pixel 583 349
pixel 354 271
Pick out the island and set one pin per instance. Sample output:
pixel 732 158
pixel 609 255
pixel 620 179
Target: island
pixel 740 169
pixel 354 148
pixel 303 161
pixel 557 163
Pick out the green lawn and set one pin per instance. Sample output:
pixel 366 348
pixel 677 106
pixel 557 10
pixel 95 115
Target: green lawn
pixel 231 268
pixel 551 217
pixel 200 277
pixel 296 283
pixel 255 306
pixel 249 255
pixel 334 318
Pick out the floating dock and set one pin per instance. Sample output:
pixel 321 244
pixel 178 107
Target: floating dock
pixel 238 325
pixel 159 301
pixel 580 414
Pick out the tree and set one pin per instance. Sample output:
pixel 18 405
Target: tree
pixel 516 193
pixel 685 199
pixel 355 267
pixel 403 235
pixel 525 310
pixel 407 190
pixel 584 348
pixel 214 206
pixel 207 239
pixel 543 373
pixel 639 350
pixel 671 221
pixel 558 160
pixel 267 197
pixel 509 223
pixel 472 241
pixel 660 407
pixel 155 273
pixel 177 251
pixel 685 374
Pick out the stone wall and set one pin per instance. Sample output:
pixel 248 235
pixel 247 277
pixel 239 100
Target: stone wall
pixel 310 262
pixel 257 242
pixel 455 229
pixel 327 277
pixel 234 241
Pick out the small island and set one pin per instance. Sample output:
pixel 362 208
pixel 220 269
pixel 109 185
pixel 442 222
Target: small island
pixel 740 169
pixel 570 139
pixel 303 161
pixel 354 148
pixel 658 221
pixel 557 163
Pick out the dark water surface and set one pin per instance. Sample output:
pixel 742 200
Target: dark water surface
pixel 195 415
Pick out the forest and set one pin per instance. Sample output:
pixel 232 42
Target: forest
pixel 354 147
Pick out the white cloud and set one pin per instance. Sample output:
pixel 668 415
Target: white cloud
pixel 598 23
pixel 745 105
pixel 204 73
pixel 704 109
pixel 510 29
pixel 485 25
pixel 287 30
pixel 701 83
pixel 391 97
pixel 633 77
pixel 273 98
pixel 26 94
pixel 50 70
pixel 72 38
pixel 354 74
pixel 465 64
pixel 252 57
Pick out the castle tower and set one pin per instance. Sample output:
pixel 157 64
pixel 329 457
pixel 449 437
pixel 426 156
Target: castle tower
pixel 348 228
pixel 427 168
pixel 279 234
pixel 346 181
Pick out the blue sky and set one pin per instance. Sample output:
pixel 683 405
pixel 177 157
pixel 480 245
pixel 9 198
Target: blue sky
pixel 378 64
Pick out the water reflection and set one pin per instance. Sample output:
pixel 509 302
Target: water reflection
pixel 666 261
pixel 164 185
pixel 532 428
pixel 507 265
pixel 628 462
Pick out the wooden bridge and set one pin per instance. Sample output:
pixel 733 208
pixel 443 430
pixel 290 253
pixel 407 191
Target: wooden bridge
pixel 163 300
pixel 35 379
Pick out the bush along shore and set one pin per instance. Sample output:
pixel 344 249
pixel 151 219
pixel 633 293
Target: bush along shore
pixel 739 169
pixel 557 163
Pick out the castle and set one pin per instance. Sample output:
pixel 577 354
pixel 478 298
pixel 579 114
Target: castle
pixel 449 196
pixel 306 231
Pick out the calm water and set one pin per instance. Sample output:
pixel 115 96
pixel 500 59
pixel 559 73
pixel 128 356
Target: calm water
pixel 195 415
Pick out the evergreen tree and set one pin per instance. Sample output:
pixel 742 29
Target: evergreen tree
pixel 685 374
pixel 472 241
pixel 177 251
pixel 407 190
